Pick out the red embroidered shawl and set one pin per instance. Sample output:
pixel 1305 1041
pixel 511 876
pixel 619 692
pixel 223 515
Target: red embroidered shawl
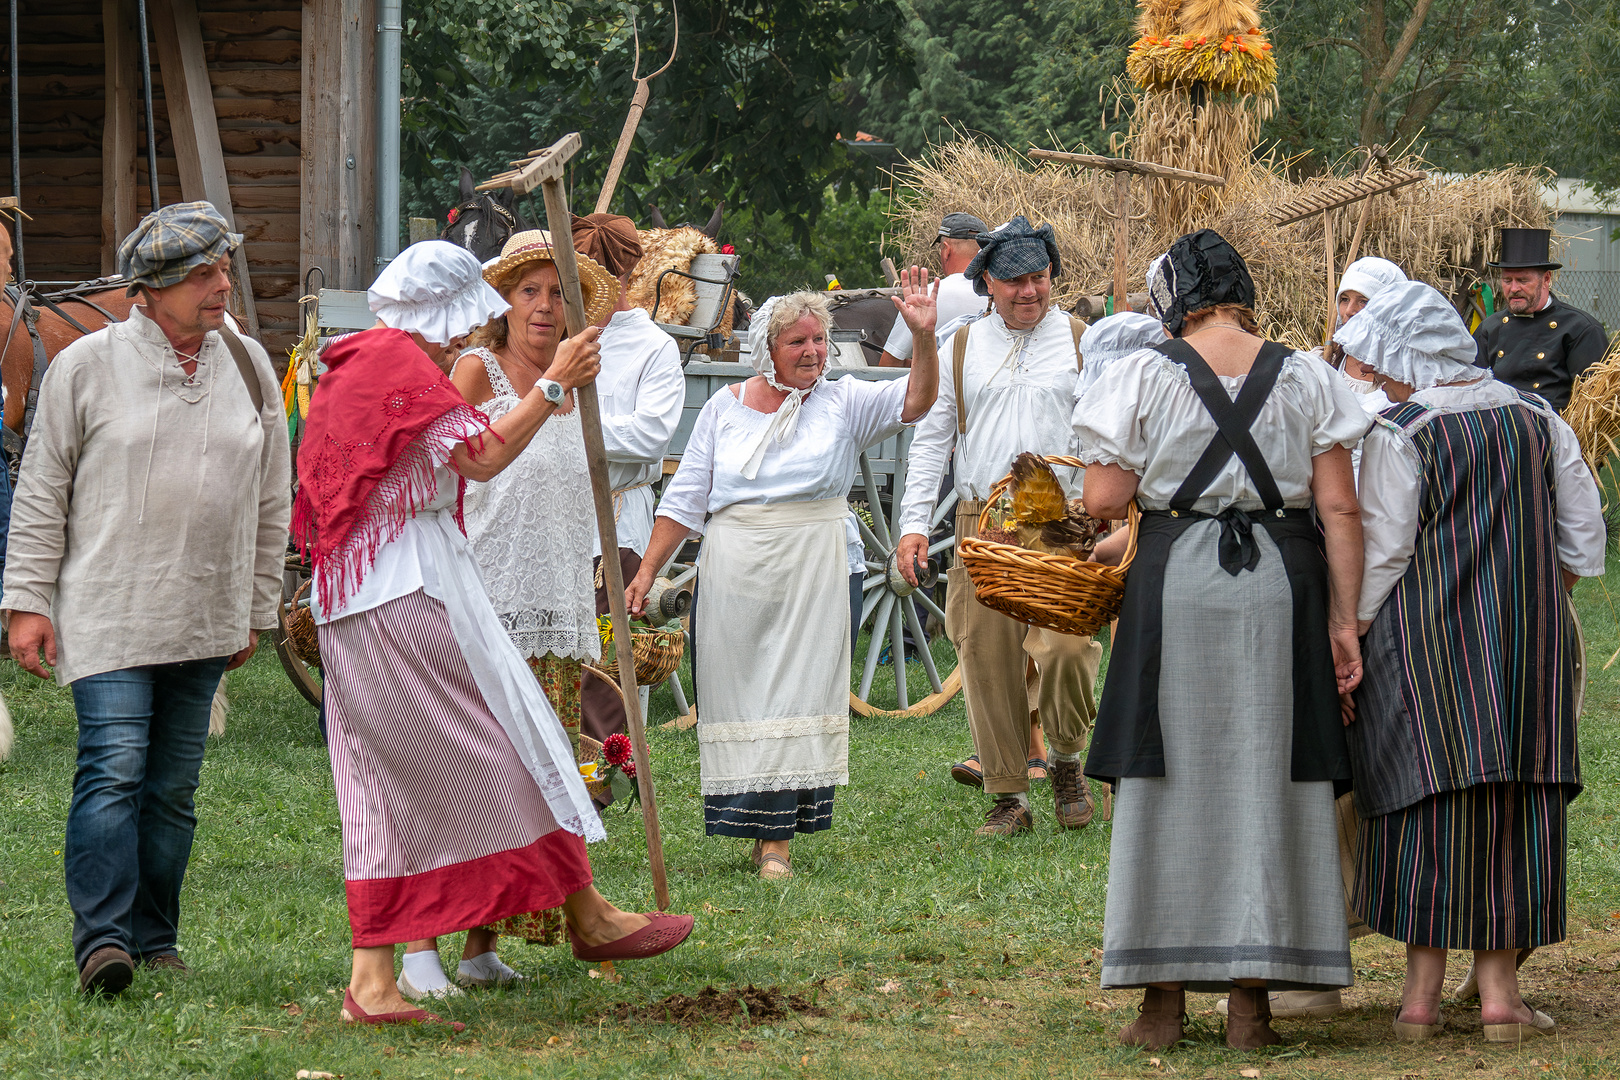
pixel 363 469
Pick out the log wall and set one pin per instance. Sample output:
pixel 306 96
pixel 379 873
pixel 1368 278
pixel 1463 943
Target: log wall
pixel 254 54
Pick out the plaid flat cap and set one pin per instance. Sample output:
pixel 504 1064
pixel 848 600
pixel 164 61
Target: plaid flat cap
pixel 170 241
pixel 1013 250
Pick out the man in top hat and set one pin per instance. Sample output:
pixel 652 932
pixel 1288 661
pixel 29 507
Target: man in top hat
pixel 957 300
pixel 1537 343
pixel 1006 385
pixel 147 540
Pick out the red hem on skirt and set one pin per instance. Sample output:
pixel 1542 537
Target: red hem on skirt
pixel 387 911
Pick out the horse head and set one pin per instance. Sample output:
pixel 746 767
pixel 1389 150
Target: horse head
pixel 711 230
pixel 483 221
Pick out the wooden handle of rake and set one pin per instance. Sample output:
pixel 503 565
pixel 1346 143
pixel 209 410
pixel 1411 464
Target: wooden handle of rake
pixel 559 221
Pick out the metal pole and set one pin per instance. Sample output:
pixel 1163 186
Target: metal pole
pixel 146 93
pixel 16 152
pixel 390 27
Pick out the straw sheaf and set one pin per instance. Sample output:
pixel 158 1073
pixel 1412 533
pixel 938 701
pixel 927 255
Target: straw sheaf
pixel 1237 64
pixel 668 249
pixel 1594 410
pixel 1438 231
pixel 1217 18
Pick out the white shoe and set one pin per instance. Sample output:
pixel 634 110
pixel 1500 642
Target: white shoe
pixel 486 969
pixel 1293 1004
pixel 1468 989
pixel 411 993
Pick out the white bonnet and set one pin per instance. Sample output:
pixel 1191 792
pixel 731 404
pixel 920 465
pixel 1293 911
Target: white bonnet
pixel 1412 334
pixel 1116 336
pixel 1370 276
pixel 759 327
pixel 436 289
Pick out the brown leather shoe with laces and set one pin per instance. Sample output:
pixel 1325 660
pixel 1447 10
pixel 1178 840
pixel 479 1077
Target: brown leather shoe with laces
pixel 1071 795
pixel 1007 817
pixel 166 962
pixel 1160 1019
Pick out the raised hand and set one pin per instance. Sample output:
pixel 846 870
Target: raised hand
pixel 917 300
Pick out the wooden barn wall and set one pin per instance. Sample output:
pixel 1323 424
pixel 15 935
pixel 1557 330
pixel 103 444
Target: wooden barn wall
pixel 253 50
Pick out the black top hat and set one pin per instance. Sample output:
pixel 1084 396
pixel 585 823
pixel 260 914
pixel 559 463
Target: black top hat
pixel 1525 249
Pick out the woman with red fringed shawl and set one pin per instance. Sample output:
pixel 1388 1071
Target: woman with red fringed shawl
pixel 460 801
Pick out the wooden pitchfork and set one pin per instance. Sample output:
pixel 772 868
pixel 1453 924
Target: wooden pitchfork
pixel 543 169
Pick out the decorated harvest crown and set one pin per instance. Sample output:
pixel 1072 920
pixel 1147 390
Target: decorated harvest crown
pixel 1214 43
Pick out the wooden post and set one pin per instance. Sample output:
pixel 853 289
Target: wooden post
pixel 119 148
pixel 1123 169
pixel 546 172
pixel 1122 225
pixel 194 130
pixel 337 121
pixel 1332 293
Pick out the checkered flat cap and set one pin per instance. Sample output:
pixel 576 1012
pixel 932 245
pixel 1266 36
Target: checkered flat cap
pixel 169 242
pixel 1013 250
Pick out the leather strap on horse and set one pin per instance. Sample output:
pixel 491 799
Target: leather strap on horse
pixel 959 359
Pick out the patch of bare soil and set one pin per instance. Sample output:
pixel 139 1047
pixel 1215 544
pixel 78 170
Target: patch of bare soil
pixel 747 1006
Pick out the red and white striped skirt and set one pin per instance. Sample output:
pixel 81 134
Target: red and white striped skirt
pixel 443 827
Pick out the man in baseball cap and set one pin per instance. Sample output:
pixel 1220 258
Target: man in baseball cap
pixel 958 244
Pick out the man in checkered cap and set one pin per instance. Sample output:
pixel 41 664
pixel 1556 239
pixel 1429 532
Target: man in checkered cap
pixel 147 539
pixel 1006 385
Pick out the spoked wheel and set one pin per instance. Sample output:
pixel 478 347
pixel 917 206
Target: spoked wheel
pixel 295 591
pixel 890 609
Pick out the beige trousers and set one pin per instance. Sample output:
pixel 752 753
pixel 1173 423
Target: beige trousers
pixel 994 653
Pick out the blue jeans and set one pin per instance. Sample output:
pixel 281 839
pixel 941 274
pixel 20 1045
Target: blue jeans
pixel 141 735
pixel 5 508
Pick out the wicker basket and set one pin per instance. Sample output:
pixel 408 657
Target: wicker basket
pixel 1057 592
pixel 591 750
pixel 300 623
pixel 658 654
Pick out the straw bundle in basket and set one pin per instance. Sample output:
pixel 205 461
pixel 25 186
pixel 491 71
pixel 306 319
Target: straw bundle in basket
pixel 1594 410
pixel 300 623
pixel 658 654
pixel 1057 592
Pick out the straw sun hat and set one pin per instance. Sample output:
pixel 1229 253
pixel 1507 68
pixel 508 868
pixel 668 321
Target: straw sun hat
pixel 599 288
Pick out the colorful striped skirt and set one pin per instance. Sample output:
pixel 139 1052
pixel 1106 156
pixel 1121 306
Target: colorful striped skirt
pixel 443 826
pixel 1479 868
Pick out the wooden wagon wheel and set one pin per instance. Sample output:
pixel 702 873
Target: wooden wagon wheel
pixel 305 678
pixel 890 609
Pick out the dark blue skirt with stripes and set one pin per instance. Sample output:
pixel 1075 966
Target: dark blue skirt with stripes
pixel 768 815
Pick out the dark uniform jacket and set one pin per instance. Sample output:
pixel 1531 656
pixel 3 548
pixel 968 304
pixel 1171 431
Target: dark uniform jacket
pixel 1541 353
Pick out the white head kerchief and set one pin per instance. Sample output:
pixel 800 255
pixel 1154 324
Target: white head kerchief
pixel 785 421
pixel 1370 276
pixel 1412 334
pixel 1106 340
pixel 436 289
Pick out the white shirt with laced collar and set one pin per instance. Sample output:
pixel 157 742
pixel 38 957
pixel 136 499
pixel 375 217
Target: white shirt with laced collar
pixel 1019 390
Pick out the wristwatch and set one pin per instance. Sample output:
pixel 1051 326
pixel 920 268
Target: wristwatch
pixel 552 389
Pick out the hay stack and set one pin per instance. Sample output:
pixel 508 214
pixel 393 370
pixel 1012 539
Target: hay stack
pixel 1594 411
pixel 1438 231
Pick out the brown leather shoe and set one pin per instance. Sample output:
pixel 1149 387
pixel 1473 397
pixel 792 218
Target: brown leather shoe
pixel 1007 817
pixel 1248 1019
pixel 1160 1019
pixel 1071 795
pixel 109 970
pixel 166 962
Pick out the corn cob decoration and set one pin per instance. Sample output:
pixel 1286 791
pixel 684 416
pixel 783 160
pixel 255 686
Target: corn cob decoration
pixel 299 382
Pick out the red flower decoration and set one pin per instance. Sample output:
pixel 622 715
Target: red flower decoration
pixel 454 213
pixel 727 249
pixel 629 769
pixel 616 748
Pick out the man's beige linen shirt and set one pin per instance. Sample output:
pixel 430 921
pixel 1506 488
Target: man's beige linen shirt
pixel 150 517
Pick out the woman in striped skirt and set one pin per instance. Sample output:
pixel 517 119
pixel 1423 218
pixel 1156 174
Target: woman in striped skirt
pixel 1479 516
pixel 460 800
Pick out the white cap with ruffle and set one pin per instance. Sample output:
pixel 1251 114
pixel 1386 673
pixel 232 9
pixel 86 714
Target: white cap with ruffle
pixel 436 289
pixel 1412 334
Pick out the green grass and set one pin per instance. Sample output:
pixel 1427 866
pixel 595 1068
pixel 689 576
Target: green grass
pixel 935 953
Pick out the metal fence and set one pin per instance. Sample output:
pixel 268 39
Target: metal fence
pixel 1596 291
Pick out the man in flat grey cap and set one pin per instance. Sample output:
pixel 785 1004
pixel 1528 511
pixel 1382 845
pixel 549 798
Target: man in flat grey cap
pixel 957 242
pixel 147 539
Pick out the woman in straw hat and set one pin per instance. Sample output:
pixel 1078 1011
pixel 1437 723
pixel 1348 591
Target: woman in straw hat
pixel 1479 516
pixel 531 528
pixel 767 472
pixel 460 800
pixel 1236 638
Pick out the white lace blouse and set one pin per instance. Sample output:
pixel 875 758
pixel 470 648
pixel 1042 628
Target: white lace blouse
pixel 839 419
pixel 1143 416
pixel 533 528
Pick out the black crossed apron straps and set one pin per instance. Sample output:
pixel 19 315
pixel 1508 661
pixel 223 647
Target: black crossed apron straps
pixel 1233 419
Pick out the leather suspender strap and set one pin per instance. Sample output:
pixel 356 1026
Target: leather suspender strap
pixel 244 364
pixel 959 358
pixel 1232 418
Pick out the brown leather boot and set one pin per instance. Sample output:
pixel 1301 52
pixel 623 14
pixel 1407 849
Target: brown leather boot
pixel 1159 1024
pixel 1248 1019
pixel 1071 795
